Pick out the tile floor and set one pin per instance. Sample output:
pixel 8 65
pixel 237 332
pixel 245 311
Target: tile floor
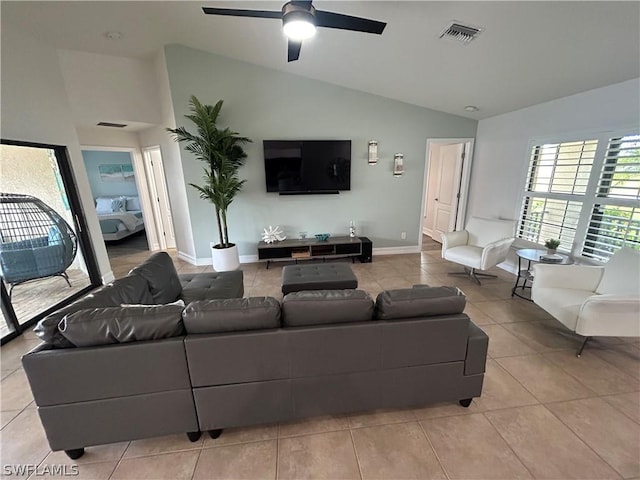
pixel 543 412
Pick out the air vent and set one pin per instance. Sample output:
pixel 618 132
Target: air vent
pixel 109 124
pixel 460 32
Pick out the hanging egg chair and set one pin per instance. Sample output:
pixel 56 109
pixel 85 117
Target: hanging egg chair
pixel 35 241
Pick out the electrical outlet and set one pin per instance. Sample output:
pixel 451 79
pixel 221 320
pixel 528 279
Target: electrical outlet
pixel 403 235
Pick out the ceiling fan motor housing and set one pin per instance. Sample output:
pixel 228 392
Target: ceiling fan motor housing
pixel 292 12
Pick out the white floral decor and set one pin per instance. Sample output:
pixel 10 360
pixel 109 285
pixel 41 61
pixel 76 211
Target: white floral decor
pixel 272 235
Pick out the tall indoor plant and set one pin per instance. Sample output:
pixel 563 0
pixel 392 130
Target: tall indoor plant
pixel 222 153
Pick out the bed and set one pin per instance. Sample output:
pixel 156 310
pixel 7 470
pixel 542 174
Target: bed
pixel 119 217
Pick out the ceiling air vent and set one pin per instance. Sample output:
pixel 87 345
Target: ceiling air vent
pixel 460 32
pixel 109 124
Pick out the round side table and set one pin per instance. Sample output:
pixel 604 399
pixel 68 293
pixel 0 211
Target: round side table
pixel 526 275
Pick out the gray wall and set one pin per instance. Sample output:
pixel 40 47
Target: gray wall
pixel 93 159
pixel 267 104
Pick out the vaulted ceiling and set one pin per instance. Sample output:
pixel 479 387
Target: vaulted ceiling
pixel 528 53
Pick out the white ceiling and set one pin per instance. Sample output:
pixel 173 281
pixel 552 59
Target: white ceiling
pixel 530 52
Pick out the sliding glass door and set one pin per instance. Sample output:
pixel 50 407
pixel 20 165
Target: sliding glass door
pixel 45 255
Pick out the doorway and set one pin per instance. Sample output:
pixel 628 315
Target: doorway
pixel 446 185
pixel 46 259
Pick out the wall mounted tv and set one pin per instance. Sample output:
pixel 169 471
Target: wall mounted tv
pixel 298 167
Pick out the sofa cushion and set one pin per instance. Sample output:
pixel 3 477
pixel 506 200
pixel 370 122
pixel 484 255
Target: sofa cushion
pixel 318 307
pixel 231 315
pixel 211 285
pixel 419 302
pixel 621 273
pixel 102 326
pixel 133 289
pixel 158 270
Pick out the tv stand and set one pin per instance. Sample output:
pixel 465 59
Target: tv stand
pixel 310 248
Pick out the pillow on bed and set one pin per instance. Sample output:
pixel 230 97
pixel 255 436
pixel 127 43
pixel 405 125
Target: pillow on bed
pixel 104 205
pixel 133 203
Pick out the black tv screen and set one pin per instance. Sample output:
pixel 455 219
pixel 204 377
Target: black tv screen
pixel 307 166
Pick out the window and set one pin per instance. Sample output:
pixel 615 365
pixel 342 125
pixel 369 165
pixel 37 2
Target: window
pixel 586 193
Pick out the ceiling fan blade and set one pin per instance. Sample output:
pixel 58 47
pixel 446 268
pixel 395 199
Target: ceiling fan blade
pixel 232 12
pixel 293 50
pixel 347 22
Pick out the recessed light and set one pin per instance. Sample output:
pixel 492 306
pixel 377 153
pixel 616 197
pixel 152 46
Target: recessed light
pixel 471 108
pixel 113 35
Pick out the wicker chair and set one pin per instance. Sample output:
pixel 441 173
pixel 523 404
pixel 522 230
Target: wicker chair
pixel 35 241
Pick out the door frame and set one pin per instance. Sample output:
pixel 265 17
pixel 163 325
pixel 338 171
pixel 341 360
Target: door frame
pixel 143 190
pixel 82 232
pixel 465 179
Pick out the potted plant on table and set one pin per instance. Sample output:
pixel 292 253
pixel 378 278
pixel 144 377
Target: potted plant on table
pixel 552 245
pixel 222 153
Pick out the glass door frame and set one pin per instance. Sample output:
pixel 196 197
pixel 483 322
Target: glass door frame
pixel 81 229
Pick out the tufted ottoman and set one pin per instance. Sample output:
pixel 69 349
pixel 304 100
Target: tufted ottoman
pixel 333 276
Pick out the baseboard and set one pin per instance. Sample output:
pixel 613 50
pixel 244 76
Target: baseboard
pixel 187 258
pixel 396 250
pixel 249 258
pixel 203 261
pixel 108 277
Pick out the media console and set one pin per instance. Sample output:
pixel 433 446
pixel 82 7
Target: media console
pixel 310 248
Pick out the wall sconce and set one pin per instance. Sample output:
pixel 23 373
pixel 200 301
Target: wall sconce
pixel 398 164
pixel 373 152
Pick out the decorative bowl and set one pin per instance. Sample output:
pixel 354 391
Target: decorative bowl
pixel 322 236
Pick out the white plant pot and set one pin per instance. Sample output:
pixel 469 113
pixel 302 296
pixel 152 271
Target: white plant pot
pixel 225 259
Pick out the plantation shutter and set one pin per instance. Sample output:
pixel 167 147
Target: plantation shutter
pixel 615 218
pixel 557 180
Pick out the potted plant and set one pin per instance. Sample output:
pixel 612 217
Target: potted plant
pixel 222 153
pixel 552 245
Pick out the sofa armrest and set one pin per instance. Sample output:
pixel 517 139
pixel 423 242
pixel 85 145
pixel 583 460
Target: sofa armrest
pixel 577 277
pixel 454 239
pixel 495 252
pixel 477 345
pixel 610 315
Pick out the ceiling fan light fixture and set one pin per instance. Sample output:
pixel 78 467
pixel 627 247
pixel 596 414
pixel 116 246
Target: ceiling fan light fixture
pixel 299 25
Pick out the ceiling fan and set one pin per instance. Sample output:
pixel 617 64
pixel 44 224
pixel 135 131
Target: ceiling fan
pixel 300 19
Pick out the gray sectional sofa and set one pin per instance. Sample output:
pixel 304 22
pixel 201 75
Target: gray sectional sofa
pixel 230 362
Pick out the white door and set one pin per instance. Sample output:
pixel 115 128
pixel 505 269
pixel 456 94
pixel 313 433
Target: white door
pixel 442 201
pixel 159 197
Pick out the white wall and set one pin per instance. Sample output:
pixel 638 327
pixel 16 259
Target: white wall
pixel 172 162
pixel 502 142
pixel 262 103
pixel 107 137
pixel 35 108
pixel 108 88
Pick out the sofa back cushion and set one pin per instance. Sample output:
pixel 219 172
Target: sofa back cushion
pixel 132 289
pixel 621 273
pixel 483 231
pixel 419 302
pixel 103 326
pixel 319 307
pixel 232 315
pixel 158 270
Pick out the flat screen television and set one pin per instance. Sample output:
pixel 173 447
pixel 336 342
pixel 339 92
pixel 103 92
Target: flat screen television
pixel 297 167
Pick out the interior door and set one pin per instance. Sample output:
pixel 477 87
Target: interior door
pixel 447 169
pixel 160 197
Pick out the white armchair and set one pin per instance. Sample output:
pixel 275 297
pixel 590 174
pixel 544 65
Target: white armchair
pixel 481 245
pixel 592 301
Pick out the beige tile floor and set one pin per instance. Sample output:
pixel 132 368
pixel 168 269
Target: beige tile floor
pixel 543 412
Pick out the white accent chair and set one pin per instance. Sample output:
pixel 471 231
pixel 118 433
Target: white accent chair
pixel 483 244
pixel 592 300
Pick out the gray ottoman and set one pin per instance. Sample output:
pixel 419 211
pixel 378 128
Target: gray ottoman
pixel 334 276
